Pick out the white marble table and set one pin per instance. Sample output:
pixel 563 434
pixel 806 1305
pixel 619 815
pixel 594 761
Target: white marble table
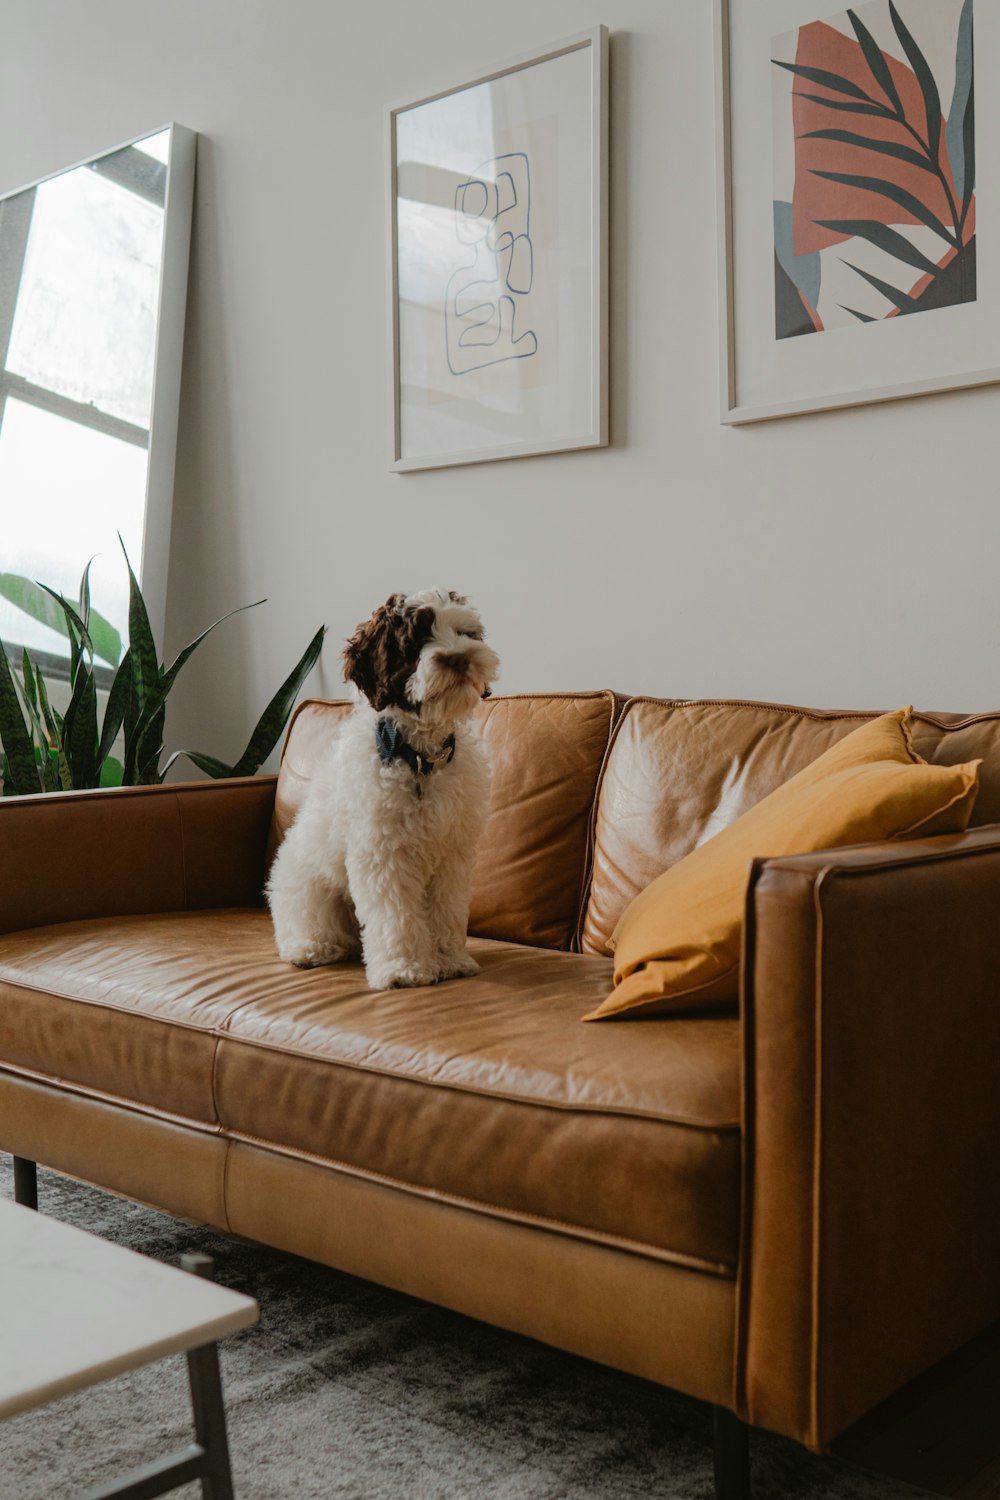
pixel 77 1310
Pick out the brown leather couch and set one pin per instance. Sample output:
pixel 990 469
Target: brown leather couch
pixel 787 1212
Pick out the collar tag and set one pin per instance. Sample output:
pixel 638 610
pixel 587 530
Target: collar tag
pixel 391 746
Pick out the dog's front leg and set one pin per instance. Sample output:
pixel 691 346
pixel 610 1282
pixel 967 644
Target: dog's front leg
pixel 449 916
pixel 389 892
pixel 310 906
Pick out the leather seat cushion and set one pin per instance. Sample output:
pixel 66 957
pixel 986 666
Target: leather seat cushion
pixel 486 1092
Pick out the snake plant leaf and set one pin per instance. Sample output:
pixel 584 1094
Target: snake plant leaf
pixel 899 299
pixel 145 663
pixel 84 596
pixel 868 143
pixel 38 604
pixel 879 110
pixel 20 769
pixel 28 678
pixel 47 769
pixel 111 772
pixel 217 769
pixel 51 781
pixel 925 78
pixel 889 240
pixel 275 716
pixel 114 713
pixel 80 731
pixel 896 195
pixel 826 80
pixel 107 640
pixel 31 599
pixel 269 726
pixel 54 727
pixel 149 748
pixel 157 697
pixel 73 620
pixel 875 59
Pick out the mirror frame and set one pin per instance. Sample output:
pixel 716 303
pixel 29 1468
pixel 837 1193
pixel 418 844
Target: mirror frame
pixel 167 358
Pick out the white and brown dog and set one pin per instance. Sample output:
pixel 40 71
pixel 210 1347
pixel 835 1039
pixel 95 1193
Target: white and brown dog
pixel 380 855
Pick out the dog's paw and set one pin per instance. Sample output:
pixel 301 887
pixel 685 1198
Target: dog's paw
pixel 457 966
pixel 313 955
pixel 400 975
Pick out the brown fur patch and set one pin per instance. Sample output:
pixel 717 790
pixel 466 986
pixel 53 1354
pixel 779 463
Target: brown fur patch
pixel 382 654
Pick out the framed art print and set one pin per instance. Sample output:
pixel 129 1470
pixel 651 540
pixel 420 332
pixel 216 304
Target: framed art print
pixel 498 261
pixel 859 212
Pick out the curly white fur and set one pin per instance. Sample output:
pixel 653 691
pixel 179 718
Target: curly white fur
pixel 380 857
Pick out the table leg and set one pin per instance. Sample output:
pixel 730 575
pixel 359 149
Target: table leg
pixel 25 1182
pixel 207 1404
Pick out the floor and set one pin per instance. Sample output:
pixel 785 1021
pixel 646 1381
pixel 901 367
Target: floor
pixel 942 1431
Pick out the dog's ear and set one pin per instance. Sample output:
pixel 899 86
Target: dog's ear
pixel 382 654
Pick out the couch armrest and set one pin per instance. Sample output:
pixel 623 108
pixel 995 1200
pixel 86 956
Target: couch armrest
pixel 128 850
pixel 871 1033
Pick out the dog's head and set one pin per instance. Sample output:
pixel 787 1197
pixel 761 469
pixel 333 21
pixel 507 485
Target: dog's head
pixel 422 654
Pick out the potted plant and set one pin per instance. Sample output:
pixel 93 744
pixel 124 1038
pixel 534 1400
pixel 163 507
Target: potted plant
pixel 45 751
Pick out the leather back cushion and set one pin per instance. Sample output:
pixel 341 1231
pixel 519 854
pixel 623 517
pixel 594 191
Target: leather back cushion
pixel 547 751
pixel 678 772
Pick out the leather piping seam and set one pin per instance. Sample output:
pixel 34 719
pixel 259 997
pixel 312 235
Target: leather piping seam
pixel 123 794
pixel 102 1096
pixel 587 880
pixel 725 1128
pixel 903 860
pixel 747 1147
pixel 121 1010
pixel 822 716
pixel 219 1034
pixel 721 1269
pixel 816 1215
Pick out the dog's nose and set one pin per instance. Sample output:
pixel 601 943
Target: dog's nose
pixel 487 693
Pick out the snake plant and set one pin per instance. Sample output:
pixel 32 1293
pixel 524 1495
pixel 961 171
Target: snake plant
pixel 45 751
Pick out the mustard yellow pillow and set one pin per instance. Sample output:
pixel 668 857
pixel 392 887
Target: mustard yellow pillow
pixel 677 945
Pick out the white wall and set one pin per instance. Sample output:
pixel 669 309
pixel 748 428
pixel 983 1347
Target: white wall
pixel 847 559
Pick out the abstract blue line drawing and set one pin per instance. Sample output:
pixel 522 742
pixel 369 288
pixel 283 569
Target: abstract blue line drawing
pixel 486 303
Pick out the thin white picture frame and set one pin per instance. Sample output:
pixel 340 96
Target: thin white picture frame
pixel 595 42
pixel 733 410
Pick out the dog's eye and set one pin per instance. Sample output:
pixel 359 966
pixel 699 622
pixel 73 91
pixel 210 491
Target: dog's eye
pixel 470 635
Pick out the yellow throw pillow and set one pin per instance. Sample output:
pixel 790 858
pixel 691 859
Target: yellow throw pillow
pixel 677 945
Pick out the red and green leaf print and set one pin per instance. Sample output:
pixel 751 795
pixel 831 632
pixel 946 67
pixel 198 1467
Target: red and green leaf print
pixel 879 217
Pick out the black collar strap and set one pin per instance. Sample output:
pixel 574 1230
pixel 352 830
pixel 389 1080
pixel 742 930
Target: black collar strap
pixel 392 746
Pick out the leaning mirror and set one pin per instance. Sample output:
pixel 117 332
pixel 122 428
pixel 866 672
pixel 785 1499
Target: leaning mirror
pixel 93 276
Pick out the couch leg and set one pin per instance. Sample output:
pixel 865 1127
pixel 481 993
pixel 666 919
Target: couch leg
pixel 25 1182
pixel 732 1456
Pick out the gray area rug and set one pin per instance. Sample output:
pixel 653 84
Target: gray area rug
pixel 348 1390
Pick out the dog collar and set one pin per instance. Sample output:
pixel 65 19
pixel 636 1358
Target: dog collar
pixel 392 746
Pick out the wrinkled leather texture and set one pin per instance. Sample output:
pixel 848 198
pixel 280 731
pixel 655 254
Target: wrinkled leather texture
pixel 70 855
pixel 313 726
pixel 871 1033
pixel 546 752
pixel 487 1091
pixel 679 772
